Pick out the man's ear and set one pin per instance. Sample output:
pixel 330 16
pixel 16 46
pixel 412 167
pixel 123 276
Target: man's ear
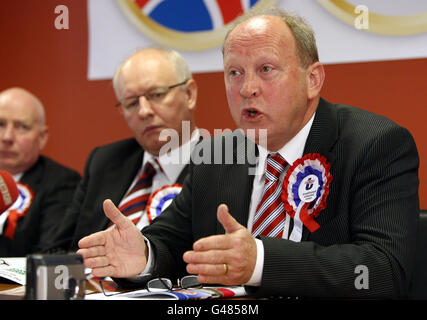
pixel 191 89
pixel 43 137
pixel 315 77
pixel 120 110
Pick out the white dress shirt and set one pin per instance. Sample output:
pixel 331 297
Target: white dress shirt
pixel 291 151
pixel 171 163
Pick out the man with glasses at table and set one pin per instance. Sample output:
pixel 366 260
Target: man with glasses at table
pixel 156 92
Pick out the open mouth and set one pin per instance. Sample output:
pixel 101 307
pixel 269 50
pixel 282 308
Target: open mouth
pixel 251 114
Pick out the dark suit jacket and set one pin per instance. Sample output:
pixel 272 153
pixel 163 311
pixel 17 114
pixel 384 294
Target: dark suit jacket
pixel 109 171
pixel 370 220
pixel 53 186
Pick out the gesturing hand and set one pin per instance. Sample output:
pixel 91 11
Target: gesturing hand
pixel 228 259
pixel 119 251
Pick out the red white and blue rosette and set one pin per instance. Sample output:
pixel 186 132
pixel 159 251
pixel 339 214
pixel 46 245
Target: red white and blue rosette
pixel 19 208
pixel 304 192
pixel 161 199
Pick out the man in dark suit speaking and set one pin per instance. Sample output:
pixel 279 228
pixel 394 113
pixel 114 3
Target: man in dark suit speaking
pixel 332 210
pixel 156 94
pixel 45 187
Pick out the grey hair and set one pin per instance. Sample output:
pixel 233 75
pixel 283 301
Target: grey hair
pixel 303 33
pixel 182 71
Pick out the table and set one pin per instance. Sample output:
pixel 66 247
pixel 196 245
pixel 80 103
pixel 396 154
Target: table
pixel 14 291
pixel 11 291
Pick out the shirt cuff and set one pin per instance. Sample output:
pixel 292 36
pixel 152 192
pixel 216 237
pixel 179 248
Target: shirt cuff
pixel 148 267
pixel 256 277
pixel 150 260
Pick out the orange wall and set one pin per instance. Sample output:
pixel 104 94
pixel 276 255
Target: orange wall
pixel 81 115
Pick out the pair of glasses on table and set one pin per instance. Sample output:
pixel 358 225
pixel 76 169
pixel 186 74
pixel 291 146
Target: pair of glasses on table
pixel 162 284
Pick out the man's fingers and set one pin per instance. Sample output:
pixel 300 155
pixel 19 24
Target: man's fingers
pixel 96 262
pixel 116 217
pixel 96 239
pixel 228 222
pixel 114 214
pixel 91 252
pixel 107 271
pixel 227 259
pixel 218 242
pixel 217 279
pixel 208 257
pixel 209 269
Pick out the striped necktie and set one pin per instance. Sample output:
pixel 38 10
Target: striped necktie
pixel 135 201
pixel 269 217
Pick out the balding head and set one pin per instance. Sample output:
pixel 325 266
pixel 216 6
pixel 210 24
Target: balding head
pixel 22 96
pixel 156 92
pixel 23 130
pixel 176 62
pixel 305 41
pixel 269 86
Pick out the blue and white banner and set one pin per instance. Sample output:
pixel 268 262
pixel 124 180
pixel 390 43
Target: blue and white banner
pixel 346 30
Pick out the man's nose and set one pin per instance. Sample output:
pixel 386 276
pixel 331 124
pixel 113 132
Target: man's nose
pixel 7 133
pixel 250 87
pixel 145 109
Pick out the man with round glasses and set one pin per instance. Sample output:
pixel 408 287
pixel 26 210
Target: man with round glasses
pixel 157 98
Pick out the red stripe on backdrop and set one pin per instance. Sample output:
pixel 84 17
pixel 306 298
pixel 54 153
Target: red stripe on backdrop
pixel 230 9
pixel 141 3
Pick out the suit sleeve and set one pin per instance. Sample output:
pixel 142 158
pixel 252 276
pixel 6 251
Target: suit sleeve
pixel 171 233
pixel 376 261
pixel 64 235
pixel 56 200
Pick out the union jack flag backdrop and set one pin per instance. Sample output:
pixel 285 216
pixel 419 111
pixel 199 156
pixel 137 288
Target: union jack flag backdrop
pixel 196 28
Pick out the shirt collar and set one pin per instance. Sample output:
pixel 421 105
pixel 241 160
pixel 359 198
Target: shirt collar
pixel 174 161
pixel 291 151
pixel 17 176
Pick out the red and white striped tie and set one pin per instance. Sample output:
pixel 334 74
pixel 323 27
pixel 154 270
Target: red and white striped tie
pixel 135 201
pixel 269 217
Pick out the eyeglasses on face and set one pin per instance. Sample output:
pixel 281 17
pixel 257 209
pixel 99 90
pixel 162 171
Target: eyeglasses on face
pixel 131 104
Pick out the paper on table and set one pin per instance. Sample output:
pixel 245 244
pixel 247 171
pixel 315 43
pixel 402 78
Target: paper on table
pixel 209 292
pixel 14 269
pixel 181 294
pixel 228 291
